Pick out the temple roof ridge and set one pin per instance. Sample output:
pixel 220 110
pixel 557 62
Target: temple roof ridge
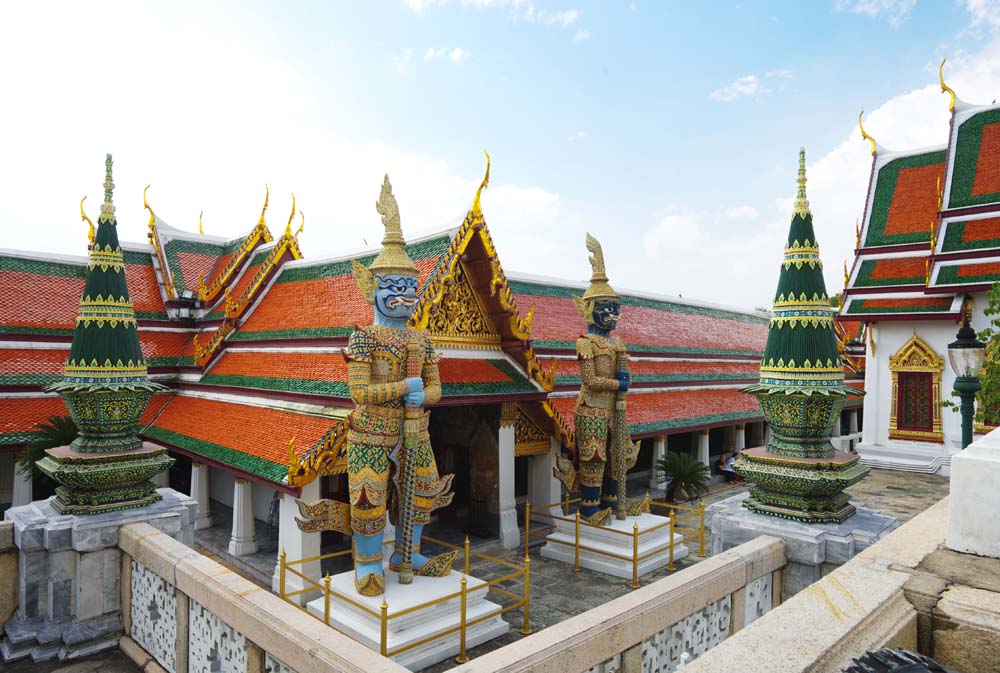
pixel 371 251
pixel 541 279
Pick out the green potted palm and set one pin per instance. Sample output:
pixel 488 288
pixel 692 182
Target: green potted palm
pixel 686 476
pixel 48 434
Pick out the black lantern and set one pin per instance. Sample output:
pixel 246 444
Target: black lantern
pixel 967 354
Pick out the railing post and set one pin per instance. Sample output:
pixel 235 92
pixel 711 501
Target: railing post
pixel 326 603
pixel 384 637
pixel 462 658
pixel 646 508
pixel 576 546
pixel 670 564
pixel 701 531
pixel 526 625
pixel 466 554
pixel 635 555
pixel 566 501
pixel 281 574
pixel 527 524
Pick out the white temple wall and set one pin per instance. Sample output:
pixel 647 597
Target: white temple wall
pixel 221 485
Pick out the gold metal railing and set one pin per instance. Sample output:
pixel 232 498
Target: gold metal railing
pixel 384 616
pixel 676 514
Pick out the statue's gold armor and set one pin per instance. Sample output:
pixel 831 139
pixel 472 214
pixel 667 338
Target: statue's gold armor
pixel 377 371
pixel 600 357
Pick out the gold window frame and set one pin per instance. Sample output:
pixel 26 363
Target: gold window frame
pixel 916 355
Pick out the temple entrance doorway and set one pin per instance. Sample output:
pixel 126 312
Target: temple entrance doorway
pixel 466 443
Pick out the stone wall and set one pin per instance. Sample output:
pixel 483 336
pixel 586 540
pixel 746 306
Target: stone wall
pixel 656 628
pixel 8 571
pixel 180 608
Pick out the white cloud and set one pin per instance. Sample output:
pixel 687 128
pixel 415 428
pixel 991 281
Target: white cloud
pixel 521 10
pixel 741 213
pixel 779 73
pixel 748 85
pixel 198 129
pixel 418 6
pixel 895 11
pixel 581 36
pixel 402 60
pixel 433 54
pixel 579 135
pixel 457 55
pixel 984 13
pixel 563 18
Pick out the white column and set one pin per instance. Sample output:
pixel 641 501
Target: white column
pixel 199 491
pixel 741 438
pixel 21 494
pixel 297 544
pixel 243 542
pixel 659 453
pixel 510 536
pixel 703 447
pixel 853 421
pixel 543 488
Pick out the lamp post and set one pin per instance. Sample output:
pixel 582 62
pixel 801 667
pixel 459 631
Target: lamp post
pixel 966 354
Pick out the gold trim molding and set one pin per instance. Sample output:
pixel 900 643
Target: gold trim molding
pixel 917 356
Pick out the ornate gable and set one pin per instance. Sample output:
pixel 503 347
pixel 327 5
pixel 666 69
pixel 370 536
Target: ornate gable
pixel 457 316
pixel 529 438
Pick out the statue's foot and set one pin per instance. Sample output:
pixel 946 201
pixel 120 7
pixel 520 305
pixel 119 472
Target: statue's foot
pixel 636 506
pixel 599 518
pixel 371 584
pixel 435 566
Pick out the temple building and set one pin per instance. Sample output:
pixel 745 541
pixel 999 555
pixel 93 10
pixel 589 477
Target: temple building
pixel 247 335
pixel 928 251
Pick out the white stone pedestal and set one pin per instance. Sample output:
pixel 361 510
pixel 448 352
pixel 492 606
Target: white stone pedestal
pixel 69 575
pixel 560 545
pixel 974 509
pixel 417 625
pixel 812 550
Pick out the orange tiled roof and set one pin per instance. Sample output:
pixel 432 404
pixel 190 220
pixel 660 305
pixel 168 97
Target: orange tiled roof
pixel 18 416
pixel 676 410
pixel 252 439
pixel 664 371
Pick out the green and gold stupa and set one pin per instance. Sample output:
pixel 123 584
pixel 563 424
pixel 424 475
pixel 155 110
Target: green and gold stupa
pixel 799 475
pixel 106 389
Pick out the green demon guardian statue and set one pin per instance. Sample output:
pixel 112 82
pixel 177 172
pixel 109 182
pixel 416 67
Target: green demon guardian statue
pixel 392 374
pixel 604 450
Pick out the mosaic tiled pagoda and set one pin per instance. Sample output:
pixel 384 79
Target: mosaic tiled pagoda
pixel 106 389
pixel 799 475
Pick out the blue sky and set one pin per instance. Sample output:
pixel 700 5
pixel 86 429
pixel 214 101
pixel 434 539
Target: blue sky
pixel 670 130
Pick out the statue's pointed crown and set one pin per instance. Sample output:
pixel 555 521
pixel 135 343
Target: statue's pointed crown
pixel 393 258
pixel 599 287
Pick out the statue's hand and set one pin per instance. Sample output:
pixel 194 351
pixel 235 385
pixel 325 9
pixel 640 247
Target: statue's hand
pixel 624 380
pixel 414 384
pixel 415 398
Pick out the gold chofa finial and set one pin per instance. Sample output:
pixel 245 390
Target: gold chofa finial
pixel 857 233
pixel 83 215
pixel 288 226
pixel 201 229
pixel 864 134
pixel 267 198
pixel 145 204
pixel 847 276
pixel 477 209
pixel 302 224
pixel 801 202
pixel 945 87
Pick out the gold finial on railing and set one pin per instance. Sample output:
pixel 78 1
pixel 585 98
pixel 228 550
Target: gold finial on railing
pixel 945 87
pixel 83 215
pixel 864 134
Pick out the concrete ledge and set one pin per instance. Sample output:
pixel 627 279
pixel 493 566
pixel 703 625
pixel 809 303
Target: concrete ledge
pixel 966 623
pixel 588 639
pixel 298 640
pixel 6 536
pixel 156 550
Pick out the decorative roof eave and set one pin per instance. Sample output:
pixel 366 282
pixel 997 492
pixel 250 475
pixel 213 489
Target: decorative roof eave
pixel 234 310
pixel 166 277
pixel 515 327
pixel 259 234
pixel 327 457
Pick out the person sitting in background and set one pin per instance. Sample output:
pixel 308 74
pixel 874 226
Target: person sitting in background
pixel 726 468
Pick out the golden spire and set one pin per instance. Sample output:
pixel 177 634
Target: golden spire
pixel 108 207
pixel 83 215
pixel 945 87
pixel 476 207
pixel 201 229
pixel 288 226
pixel 145 204
pixel 864 134
pixel 801 202
pixel 267 196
